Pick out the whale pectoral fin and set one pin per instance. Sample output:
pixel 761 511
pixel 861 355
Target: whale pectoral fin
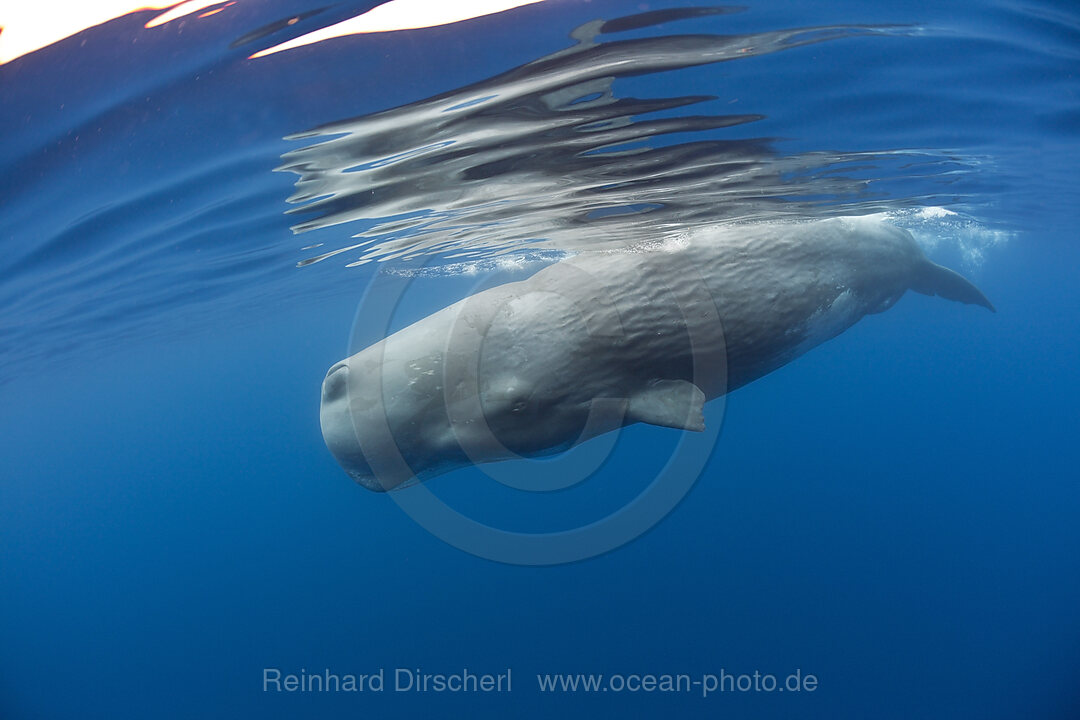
pixel 933 279
pixel 670 403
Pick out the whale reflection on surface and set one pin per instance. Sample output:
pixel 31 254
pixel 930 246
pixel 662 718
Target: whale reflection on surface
pixel 546 155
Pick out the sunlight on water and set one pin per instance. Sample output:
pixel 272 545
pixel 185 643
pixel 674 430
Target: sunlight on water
pixel 27 27
pixel 401 15
pixel 31 26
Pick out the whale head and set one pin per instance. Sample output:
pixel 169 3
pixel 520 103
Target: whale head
pixel 458 388
pixel 387 431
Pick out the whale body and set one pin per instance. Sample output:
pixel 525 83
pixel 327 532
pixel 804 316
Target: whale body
pixel 605 339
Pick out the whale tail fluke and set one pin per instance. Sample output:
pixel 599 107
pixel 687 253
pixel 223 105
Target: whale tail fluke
pixel 934 279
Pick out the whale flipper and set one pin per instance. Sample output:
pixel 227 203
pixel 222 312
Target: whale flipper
pixel 934 279
pixel 670 403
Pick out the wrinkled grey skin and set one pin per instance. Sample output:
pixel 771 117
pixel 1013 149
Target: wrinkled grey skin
pixel 602 340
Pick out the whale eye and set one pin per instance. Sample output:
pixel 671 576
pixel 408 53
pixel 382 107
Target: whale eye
pixel 509 397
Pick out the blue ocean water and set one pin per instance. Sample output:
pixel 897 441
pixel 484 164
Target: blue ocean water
pixel 893 513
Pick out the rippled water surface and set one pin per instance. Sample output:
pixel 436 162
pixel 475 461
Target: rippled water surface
pixel 141 176
pixel 191 213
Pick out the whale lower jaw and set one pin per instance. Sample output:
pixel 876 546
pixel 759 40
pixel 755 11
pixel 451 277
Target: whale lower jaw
pixel 382 482
pixel 370 482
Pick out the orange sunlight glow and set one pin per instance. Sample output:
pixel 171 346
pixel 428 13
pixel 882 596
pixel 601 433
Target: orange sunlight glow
pixel 402 15
pixel 215 11
pixel 30 25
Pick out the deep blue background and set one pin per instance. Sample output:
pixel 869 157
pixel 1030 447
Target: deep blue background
pixel 894 512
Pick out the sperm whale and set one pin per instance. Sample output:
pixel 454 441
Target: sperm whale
pixel 602 340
